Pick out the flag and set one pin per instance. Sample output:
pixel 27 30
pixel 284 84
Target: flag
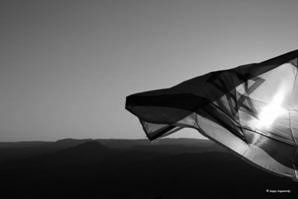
pixel 251 109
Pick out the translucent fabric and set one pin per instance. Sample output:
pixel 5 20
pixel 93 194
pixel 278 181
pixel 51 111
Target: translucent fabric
pixel 251 110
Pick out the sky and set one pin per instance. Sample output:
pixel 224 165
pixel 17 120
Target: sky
pixel 67 66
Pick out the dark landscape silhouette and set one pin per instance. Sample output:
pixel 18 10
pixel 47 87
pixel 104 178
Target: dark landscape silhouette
pixel 169 168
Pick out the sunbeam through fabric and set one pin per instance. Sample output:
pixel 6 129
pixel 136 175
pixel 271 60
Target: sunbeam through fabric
pixel 251 109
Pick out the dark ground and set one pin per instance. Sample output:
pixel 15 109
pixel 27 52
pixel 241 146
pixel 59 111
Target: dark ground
pixel 170 168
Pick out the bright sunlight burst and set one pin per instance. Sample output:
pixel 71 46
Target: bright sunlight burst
pixel 271 111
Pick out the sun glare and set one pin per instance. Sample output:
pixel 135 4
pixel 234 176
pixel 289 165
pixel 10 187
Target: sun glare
pixel 271 111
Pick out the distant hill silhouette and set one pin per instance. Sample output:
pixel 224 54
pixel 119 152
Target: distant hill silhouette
pixel 21 150
pixel 171 168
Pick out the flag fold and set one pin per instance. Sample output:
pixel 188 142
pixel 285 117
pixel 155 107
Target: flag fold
pixel 251 110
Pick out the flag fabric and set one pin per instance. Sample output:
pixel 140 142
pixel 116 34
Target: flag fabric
pixel 251 110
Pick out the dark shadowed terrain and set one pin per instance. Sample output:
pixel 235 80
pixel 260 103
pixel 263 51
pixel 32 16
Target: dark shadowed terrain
pixel 170 168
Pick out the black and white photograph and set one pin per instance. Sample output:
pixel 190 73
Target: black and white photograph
pixel 148 99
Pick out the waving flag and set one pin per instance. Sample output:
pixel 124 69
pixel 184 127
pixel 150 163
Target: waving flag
pixel 251 110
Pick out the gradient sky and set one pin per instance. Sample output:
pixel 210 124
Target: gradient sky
pixel 67 66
